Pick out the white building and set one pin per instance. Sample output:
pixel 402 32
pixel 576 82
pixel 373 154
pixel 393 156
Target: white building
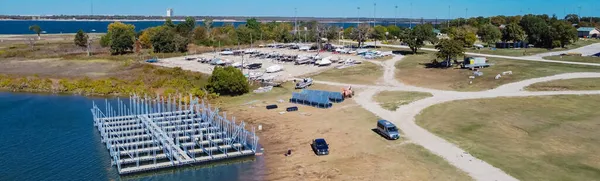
pixel 169 12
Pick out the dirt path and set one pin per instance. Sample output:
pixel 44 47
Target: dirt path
pixel 404 116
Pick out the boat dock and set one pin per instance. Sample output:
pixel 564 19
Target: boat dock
pixel 144 134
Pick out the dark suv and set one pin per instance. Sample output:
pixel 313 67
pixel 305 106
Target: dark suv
pixel 320 146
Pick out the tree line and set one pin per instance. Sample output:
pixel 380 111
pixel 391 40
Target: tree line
pixel 539 30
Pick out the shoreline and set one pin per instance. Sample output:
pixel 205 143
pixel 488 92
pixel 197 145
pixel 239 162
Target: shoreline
pixel 122 20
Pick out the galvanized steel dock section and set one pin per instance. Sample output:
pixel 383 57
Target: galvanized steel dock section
pixel 153 133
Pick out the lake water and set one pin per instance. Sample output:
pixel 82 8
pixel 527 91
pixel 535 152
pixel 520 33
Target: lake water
pixel 52 137
pixel 56 27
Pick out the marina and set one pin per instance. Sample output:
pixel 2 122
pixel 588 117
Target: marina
pixel 154 133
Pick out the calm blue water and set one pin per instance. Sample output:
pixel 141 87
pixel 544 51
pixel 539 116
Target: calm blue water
pixel 54 27
pixel 52 137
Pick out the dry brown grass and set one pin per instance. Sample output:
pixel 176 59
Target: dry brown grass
pixel 531 138
pixel 391 100
pixel 356 152
pixel 569 84
pixel 412 70
pixel 366 73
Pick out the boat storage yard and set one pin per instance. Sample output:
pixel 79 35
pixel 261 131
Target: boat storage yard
pixel 155 133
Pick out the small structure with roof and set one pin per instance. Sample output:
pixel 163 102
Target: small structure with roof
pixel 588 32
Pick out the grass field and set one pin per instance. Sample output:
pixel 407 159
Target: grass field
pixel 391 100
pixel 575 58
pixel 366 73
pixel 531 51
pixel 569 84
pixel 534 138
pixel 412 70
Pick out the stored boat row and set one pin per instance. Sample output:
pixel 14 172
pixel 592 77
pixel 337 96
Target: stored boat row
pixel 154 133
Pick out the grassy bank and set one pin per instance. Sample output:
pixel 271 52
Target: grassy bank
pixel 391 100
pixel 569 84
pixel 138 78
pixel 532 138
pixel 413 70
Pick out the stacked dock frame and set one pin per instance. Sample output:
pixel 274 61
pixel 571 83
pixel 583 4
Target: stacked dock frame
pixel 143 133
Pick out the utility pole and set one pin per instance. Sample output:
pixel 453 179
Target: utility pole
pixel 296 22
pixel 358 17
pixel 92 7
pixel 374 13
pixel 466 12
pixel 449 16
pixel 410 19
pixel 396 16
pixel 579 15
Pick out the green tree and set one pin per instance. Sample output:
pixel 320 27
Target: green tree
pixel 105 40
pixel 201 36
pixel 464 34
pixel 449 49
pixel 418 35
pixel 81 39
pixel 360 34
pixel 498 20
pixel 37 29
pixel 513 32
pixel 348 32
pixel 563 33
pixel 253 24
pixel 536 29
pixel 228 81
pixel 378 33
pixel 166 40
pixel 489 34
pixel 244 34
pixel 169 23
pixel 332 33
pixel 185 28
pixel 572 18
pixel 147 34
pixel 122 37
pixel 395 31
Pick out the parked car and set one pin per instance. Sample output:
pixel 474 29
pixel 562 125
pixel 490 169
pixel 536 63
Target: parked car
pixel 320 146
pixel 387 129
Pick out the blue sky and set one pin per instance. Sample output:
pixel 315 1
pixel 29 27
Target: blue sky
pixel 306 8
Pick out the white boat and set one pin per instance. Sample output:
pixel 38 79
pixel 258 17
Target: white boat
pixel 304 48
pixel 324 62
pixel 349 61
pixel 274 69
pixel 226 53
pixel 236 64
pixel 302 60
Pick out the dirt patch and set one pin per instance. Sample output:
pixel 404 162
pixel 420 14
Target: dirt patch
pixel 391 100
pixel 356 152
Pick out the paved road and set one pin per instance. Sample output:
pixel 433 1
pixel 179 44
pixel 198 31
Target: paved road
pixel 404 116
pixel 586 50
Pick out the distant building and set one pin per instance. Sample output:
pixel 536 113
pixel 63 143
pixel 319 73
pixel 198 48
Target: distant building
pixel 588 32
pixel 169 12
